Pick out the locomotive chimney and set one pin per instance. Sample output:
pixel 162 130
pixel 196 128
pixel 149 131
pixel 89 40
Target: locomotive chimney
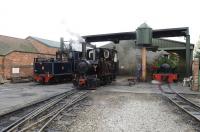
pixel 83 50
pixel 61 45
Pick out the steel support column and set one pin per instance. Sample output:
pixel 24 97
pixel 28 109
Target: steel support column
pixel 188 56
pixel 191 59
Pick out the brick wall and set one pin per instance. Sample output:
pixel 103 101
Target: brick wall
pixel 21 60
pixel 1 65
pixel 42 48
pixel 195 73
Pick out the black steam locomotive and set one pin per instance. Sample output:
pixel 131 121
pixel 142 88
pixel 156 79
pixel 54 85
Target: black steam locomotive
pixel 99 67
pixel 55 70
pixel 59 69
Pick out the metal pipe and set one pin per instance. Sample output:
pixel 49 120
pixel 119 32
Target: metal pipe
pixel 83 50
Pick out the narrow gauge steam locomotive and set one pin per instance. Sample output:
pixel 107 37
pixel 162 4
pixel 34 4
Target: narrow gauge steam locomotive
pixel 165 68
pixel 57 69
pixel 99 67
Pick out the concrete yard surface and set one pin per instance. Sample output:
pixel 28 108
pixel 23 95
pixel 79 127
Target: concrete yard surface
pixel 15 96
pixel 122 85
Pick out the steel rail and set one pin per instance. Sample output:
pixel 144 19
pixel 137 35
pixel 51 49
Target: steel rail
pixel 182 102
pixel 192 111
pixel 81 97
pixel 55 113
pixel 37 111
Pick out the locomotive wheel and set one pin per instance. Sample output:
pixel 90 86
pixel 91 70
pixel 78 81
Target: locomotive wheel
pixel 42 81
pixel 164 78
pixel 104 81
pixel 109 79
pixel 91 84
pixel 75 83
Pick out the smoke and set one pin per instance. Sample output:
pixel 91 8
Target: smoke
pixel 130 56
pixel 76 40
pixel 127 57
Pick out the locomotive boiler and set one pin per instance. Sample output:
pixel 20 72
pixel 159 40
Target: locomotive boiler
pixel 99 67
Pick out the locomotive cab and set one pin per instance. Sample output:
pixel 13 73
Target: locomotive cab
pixel 99 68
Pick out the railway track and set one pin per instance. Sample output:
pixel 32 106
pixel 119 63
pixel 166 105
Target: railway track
pixel 39 118
pixel 182 102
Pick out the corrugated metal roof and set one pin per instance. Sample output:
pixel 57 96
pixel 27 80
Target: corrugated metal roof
pixel 161 43
pixel 49 43
pixel 9 44
pixel 164 43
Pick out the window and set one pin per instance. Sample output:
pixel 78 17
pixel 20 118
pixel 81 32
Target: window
pixel 106 54
pixel 115 57
pixel 92 54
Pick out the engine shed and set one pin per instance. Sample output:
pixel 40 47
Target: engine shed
pixel 179 48
pixel 185 50
pixel 127 49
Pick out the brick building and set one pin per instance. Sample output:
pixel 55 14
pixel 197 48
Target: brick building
pixel 17 55
pixel 44 46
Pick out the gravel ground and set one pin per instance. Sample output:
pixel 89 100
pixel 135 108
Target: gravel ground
pixel 117 111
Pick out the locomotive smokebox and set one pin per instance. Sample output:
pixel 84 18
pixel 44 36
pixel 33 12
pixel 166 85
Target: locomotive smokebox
pixel 144 35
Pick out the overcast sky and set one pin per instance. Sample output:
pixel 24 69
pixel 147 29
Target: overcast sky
pixel 52 19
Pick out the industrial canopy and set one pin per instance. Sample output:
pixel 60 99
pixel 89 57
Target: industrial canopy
pixel 116 37
pixel 159 33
